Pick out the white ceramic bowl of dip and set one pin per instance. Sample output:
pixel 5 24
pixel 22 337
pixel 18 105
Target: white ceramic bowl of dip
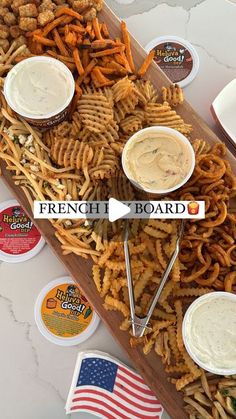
pixel 145 135
pixel 209 332
pixel 40 89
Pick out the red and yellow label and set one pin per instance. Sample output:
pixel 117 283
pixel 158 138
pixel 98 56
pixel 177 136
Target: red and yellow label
pixel 65 311
pixel 18 235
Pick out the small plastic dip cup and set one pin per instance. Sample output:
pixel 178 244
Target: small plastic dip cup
pixel 19 238
pixel 63 315
pixel 160 131
pixel 176 57
pixel 220 322
pixel 40 89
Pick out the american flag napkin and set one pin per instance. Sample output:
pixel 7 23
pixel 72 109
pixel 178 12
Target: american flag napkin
pixel 105 387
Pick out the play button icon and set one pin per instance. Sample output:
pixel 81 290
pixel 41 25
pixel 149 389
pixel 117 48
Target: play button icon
pixel 117 210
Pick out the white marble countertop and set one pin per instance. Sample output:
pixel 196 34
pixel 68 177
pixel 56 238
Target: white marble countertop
pixel 35 374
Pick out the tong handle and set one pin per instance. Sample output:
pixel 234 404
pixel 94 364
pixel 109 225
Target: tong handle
pixel 130 280
pixel 140 324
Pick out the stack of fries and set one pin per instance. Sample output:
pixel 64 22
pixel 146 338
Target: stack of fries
pixel 80 160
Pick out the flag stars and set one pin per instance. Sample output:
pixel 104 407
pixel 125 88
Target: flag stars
pixel 97 372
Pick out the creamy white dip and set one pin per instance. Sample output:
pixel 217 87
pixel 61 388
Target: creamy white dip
pixel 39 88
pixel 211 332
pixel 157 161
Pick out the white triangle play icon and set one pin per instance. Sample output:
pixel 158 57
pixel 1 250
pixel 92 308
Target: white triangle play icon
pixel 117 210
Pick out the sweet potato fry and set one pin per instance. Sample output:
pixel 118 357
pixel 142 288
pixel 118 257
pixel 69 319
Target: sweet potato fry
pixel 122 60
pixel 98 75
pixel 48 28
pixel 103 43
pixel 126 40
pixel 143 69
pixel 96 28
pixel 71 39
pixel 78 90
pixel 105 31
pixel 85 58
pixel 78 63
pixel 32 33
pixel 87 71
pixel 20 58
pixel 44 41
pixel 77 28
pixel 116 66
pixel 86 44
pixel 60 57
pixel 69 12
pixel 71 66
pixel 38 48
pixel 90 31
pixel 105 52
pixel 107 70
pixel 99 79
pixel 59 43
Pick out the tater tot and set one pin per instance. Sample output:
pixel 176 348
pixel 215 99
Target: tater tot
pixel 4 31
pixel 18 3
pixel 28 24
pixel 28 10
pixel 46 5
pixel 81 5
pixel 6 3
pixel 45 17
pixel 98 4
pixel 15 31
pixel 4 44
pixel 21 40
pixel 3 11
pixel 90 15
pixel 10 19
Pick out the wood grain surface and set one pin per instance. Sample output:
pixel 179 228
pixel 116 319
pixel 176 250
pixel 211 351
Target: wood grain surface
pixel 150 367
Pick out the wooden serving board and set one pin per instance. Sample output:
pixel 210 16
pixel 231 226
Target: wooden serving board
pixel 150 367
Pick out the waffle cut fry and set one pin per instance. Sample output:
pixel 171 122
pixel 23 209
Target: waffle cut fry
pixel 148 93
pixel 162 115
pixel 131 124
pixel 125 106
pixel 104 163
pixel 71 153
pixel 173 95
pixel 122 89
pixel 95 111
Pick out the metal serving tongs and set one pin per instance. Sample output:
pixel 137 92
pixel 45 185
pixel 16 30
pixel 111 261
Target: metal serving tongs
pixel 140 324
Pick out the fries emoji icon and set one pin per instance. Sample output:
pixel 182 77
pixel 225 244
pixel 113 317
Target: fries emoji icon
pixel 193 208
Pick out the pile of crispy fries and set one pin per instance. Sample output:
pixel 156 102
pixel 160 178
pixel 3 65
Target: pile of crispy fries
pixel 80 160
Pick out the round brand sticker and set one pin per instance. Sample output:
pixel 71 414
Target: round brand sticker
pixel 176 57
pixel 19 238
pixel 175 60
pixel 63 315
pixel 65 311
pixel 18 235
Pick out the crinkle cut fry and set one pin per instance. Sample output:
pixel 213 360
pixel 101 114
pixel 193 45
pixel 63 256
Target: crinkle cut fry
pixel 179 315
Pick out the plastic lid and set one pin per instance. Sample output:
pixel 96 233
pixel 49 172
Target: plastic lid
pixel 177 58
pixel 19 238
pixel 63 315
pixel 21 67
